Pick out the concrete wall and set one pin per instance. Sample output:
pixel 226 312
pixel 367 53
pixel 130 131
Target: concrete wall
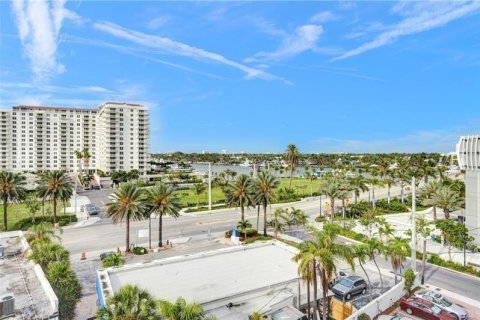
pixel 381 303
pixel 47 289
pixel 472 203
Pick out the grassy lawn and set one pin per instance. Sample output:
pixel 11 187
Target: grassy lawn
pixel 189 199
pixel 19 211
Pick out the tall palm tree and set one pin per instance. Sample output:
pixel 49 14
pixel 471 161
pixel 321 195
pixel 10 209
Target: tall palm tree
pixel 130 302
pixel 446 199
pixel 389 182
pixel 397 251
pixel 373 247
pixel 361 253
pixel 162 201
pixel 292 156
pixel 428 191
pixel 320 253
pixel 180 310
pixel 375 182
pixel 264 193
pixel 306 272
pixel 240 193
pixel 127 204
pixel 358 184
pixel 423 230
pixel 54 185
pixel 333 187
pixel 11 189
pixel 198 189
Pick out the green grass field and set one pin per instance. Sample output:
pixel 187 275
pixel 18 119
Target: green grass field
pixel 19 211
pixel 189 199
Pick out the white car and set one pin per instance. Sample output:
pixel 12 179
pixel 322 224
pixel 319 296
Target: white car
pixel 443 303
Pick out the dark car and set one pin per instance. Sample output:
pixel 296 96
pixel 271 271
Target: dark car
pixel 105 255
pixel 96 187
pixel 337 279
pixel 424 309
pixel 349 286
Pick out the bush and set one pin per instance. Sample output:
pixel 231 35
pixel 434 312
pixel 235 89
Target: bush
pixel 250 233
pixel 356 210
pixel 114 260
pixel 409 276
pixel 395 205
pixel 25 224
pixel 320 219
pixel 287 195
pixel 364 316
pixel 139 251
pixel 228 234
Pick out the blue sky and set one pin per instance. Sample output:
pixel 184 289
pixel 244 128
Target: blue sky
pixel 243 76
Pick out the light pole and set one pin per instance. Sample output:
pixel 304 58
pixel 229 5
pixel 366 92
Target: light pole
pixel 209 186
pixel 321 213
pixel 414 227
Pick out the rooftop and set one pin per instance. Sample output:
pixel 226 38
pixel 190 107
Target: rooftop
pixel 34 298
pixel 251 277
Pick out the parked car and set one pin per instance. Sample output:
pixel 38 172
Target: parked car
pixel 442 302
pixel 424 309
pixel 337 279
pixel 96 187
pixel 395 317
pixel 349 286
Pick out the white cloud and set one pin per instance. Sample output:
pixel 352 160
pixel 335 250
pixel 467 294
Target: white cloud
pixel 39 23
pixel 419 18
pixel 324 16
pixel 168 46
pixel 303 39
pixel 158 22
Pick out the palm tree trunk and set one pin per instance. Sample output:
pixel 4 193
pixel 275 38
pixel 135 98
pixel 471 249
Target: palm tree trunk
pixel 198 201
pixel 332 204
pixel 265 219
pixel 54 210
pixel 149 231
pixel 379 272
pixel 401 193
pixel 315 289
pixel 434 213
pixel 5 217
pixel 258 215
pixel 127 237
pixel 368 278
pixel 324 296
pixel 424 258
pixel 447 214
pixel 242 210
pixel 160 230
pixel 373 197
pixel 308 299
pixel 388 194
pixel 291 176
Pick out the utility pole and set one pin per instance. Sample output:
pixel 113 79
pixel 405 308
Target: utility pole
pixel 209 186
pixel 414 226
pixel 321 212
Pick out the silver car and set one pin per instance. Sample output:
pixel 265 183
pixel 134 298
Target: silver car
pixel 443 303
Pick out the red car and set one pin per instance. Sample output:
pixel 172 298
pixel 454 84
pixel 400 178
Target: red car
pixel 424 309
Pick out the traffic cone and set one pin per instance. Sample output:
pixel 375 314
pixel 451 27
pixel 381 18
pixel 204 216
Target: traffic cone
pixel 84 256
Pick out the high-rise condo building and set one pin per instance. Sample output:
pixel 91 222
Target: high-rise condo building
pixel 468 152
pixel 37 138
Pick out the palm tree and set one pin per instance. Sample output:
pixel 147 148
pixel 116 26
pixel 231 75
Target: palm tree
pixel 130 302
pixel 447 200
pixel 264 190
pixel 389 182
pixel 424 231
pixel 397 251
pixel 180 310
pixel 127 204
pixel 374 247
pixel 39 233
pixel 33 205
pixel 11 189
pixel 428 191
pixel 292 156
pixel 162 201
pixel 86 158
pixel 54 185
pixel 243 225
pixel 198 189
pixel 384 229
pixel 320 253
pixel 361 253
pixel 375 182
pixel 47 252
pixel 333 188
pixel 310 176
pixel 239 193
pixel 79 156
pixel 358 184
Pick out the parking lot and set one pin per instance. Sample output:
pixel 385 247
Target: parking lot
pixel 98 198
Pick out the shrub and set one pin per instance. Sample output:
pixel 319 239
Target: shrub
pixel 114 260
pixel 364 316
pixel 25 224
pixel 395 205
pixel 287 195
pixel 250 233
pixel 228 234
pixel 139 251
pixel 320 219
pixel 409 276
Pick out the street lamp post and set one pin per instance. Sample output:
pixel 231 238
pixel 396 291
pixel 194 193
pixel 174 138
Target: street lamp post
pixel 209 186
pixel 321 213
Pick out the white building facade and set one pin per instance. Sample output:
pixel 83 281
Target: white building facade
pixel 36 138
pixel 468 153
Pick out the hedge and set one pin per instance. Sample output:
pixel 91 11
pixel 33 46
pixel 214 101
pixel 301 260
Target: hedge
pixel 26 223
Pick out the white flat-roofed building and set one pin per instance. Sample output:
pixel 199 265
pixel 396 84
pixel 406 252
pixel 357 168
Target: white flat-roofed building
pixel 37 138
pixel 229 283
pixel 468 153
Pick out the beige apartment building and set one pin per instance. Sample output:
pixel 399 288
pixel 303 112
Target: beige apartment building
pixel 37 138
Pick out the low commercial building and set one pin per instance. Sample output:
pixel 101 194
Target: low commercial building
pixel 229 283
pixel 468 153
pixel 25 292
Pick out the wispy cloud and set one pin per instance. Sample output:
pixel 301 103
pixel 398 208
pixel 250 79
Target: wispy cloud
pixel 39 23
pixel 324 16
pixel 168 46
pixel 158 22
pixel 420 17
pixel 304 38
